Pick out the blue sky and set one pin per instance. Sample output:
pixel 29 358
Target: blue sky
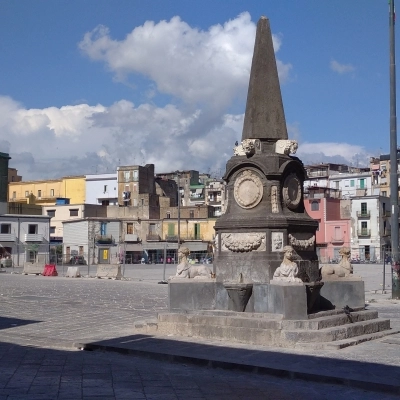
pixel 89 85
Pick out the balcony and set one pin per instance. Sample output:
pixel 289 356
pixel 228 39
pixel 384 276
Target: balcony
pixel 364 232
pixel 363 214
pixel 33 237
pixel 337 240
pixel 192 237
pixel 171 238
pixel 152 237
pixel 7 237
pixel 387 213
pixel 104 239
pixel 130 237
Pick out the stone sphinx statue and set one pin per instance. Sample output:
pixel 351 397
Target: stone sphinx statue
pixel 184 270
pixel 288 270
pixel 342 270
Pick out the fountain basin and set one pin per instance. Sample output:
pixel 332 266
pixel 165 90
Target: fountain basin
pixel 239 294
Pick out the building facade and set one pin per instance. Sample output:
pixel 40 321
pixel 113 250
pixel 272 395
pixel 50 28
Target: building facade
pixel 25 238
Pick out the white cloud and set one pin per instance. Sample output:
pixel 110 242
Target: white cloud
pixel 209 67
pixel 341 153
pixel 341 68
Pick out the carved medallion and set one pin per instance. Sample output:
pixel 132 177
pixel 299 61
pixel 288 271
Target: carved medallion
pixel 291 191
pixel 248 189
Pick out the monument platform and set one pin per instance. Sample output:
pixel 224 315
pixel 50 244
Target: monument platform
pixel 334 329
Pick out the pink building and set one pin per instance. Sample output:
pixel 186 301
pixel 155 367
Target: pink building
pixel 334 228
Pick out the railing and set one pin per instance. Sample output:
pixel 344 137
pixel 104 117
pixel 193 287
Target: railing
pixel 171 238
pixel 337 240
pixel 33 237
pixel 364 232
pixel 192 237
pixel 363 214
pixel 151 237
pixel 7 237
pixel 104 239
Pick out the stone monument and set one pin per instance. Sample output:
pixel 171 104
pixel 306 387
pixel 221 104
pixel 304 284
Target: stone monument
pixel 266 286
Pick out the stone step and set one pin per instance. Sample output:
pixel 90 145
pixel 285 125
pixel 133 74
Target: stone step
pixel 341 344
pixel 221 320
pixel 256 336
pixel 329 321
pixel 336 333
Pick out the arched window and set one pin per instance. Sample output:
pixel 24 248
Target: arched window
pixel 315 205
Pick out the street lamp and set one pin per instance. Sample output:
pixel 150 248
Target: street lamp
pixel 178 175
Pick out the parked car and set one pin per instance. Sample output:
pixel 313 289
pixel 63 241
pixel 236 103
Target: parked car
pixel 77 260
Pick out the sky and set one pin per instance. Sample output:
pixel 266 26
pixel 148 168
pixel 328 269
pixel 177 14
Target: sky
pixel 87 85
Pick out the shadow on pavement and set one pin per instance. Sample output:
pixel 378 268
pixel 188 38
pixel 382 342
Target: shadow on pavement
pixel 357 374
pixel 6 323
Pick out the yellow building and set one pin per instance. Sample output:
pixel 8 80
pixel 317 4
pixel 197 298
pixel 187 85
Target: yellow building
pixel 45 192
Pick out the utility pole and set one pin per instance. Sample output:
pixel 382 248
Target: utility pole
pixel 394 196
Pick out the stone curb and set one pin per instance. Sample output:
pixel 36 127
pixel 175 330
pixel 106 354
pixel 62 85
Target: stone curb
pixel 230 365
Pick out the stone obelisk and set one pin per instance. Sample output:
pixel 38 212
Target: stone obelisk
pixel 265 209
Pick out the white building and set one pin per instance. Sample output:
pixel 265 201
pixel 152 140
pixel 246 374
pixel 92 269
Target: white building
pixel 68 212
pixel 352 184
pixel 370 227
pixel 95 239
pixel 102 189
pixel 25 238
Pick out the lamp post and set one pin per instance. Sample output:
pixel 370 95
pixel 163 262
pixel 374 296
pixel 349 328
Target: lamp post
pixel 393 161
pixel 179 212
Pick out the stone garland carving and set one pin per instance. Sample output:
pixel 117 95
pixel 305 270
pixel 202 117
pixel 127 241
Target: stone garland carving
pixel 286 146
pixel 274 199
pixel 302 244
pixel 288 270
pixel 242 242
pixel 246 148
pixel 248 189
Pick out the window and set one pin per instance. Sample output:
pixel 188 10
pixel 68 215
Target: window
pixel 352 183
pixel 103 228
pixel 127 176
pixel 51 192
pixel 315 205
pixel 105 202
pixel 384 208
pixel 39 193
pixel 383 167
pixel 197 231
pixel 52 229
pixel 14 195
pixel 105 189
pixel 5 228
pixel 32 229
pixel 135 187
pixel 364 208
pixel 26 193
pixel 51 213
pixel 73 212
pixel 362 183
pixel 336 184
pixel 364 225
pixel 135 174
pixel 81 250
pixel 129 228
pixel 191 212
pixel 171 229
pixel 384 193
pixel 168 215
pixel 135 202
pixel 337 232
pixel 152 229
pixel 142 202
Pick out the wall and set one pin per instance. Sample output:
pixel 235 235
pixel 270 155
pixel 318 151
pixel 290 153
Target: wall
pixel 95 185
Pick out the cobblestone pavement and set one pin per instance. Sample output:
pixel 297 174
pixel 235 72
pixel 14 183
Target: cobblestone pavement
pixel 40 317
pixel 47 374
